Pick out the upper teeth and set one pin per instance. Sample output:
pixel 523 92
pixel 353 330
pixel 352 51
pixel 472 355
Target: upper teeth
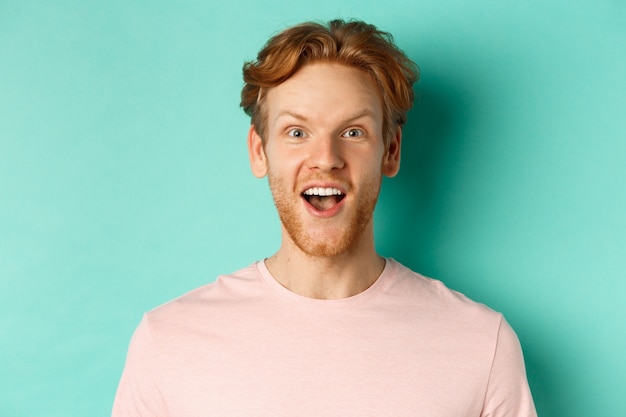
pixel 322 191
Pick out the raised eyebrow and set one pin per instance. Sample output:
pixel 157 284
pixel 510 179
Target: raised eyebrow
pixel 362 113
pixel 292 114
pixel 356 116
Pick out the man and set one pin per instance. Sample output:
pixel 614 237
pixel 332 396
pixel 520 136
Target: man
pixel 325 326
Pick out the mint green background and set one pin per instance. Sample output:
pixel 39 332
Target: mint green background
pixel 124 179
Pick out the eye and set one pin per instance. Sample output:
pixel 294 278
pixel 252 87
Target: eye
pixel 297 133
pixel 353 133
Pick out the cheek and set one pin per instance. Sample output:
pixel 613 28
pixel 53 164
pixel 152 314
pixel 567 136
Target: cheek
pixel 371 165
pixel 282 162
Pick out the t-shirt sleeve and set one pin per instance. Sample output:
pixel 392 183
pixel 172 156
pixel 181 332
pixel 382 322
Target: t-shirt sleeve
pixel 508 393
pixel 138 393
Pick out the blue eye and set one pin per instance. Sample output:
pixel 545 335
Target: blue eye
pixel 297 133
pixel 353 133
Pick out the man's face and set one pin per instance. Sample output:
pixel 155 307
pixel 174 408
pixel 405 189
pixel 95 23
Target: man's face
pixel 324 156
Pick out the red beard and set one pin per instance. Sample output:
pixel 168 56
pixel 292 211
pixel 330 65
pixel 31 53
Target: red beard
pixel 337 240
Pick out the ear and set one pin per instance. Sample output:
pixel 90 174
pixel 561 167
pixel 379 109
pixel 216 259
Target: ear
pixel 256 153
pixel 391 160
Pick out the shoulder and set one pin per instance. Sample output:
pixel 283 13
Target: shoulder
pixel 214 301
pixel 431 297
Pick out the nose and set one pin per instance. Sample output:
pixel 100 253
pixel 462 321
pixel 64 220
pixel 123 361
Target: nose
pixel 325 154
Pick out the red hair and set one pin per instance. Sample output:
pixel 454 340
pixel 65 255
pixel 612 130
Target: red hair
pixel 355 44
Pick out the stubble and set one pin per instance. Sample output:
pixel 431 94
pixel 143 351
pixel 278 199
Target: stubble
pixel 339 239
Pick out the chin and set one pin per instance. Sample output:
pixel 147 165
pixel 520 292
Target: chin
pixel 323 250
pixel 326 245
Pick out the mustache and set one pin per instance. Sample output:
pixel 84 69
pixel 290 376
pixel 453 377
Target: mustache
pixel 345 183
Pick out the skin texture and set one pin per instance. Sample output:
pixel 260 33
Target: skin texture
pixel 324 129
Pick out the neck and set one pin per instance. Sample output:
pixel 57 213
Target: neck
pixel 336 277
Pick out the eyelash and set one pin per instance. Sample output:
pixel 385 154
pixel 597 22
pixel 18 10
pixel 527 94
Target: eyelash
pixel 302 134
pixel 292 133
pixel 359 132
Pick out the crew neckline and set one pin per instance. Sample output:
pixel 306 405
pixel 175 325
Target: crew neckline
pixel 288 295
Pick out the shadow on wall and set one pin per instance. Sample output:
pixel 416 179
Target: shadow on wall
pixel 413 212
pixel 412 200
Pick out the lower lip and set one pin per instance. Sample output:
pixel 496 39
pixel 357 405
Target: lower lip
pixel 331 212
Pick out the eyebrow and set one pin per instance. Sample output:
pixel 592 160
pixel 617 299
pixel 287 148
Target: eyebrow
pixel 363 113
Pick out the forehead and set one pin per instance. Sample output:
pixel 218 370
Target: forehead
pixel 326 92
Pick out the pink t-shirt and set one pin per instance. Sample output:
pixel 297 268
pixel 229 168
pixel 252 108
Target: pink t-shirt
pixel 247 346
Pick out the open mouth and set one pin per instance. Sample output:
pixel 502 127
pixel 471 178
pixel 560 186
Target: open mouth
pixel 323 198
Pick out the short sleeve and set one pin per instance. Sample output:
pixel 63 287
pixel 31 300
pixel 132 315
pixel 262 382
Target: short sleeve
pixel 508 393
pixel 138 393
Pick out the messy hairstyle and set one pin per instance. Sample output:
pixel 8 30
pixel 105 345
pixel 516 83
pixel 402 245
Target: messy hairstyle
pixel 353 43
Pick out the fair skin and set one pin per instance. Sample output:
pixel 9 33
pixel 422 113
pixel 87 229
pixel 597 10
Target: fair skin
pixel 324 136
